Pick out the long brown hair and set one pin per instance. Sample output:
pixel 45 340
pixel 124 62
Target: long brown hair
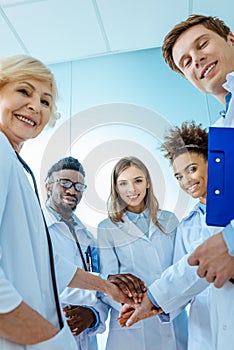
pixel 116 206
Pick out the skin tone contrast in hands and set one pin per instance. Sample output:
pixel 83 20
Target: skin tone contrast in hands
pixel 190 170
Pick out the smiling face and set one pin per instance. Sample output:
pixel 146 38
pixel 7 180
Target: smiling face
pixel 132 186
pixel 205 58
pixel 64 200
pixel 25 108
pixel 190 169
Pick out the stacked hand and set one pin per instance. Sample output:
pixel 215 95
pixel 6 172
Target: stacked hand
pixel 130 285
pixel 79 318
pixel 132 314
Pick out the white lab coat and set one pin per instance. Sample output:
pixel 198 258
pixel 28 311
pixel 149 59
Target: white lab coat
pixel 228 121
pixel 222 306
pixel 24 257
pixel 180 284
pixel 64 245
pixel 123 248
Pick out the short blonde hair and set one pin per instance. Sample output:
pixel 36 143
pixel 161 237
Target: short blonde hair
pixel 16 68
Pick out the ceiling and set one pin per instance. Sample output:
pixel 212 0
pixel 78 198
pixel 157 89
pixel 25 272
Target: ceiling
pixel 65 30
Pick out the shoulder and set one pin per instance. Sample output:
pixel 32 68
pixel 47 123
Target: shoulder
pixel 165 215
pixel 6 148
pixel 168 220
pixel 84 228
pixel 192 213
pixel 8 158
pixel 105 224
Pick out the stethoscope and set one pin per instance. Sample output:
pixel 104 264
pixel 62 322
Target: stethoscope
pixel 52 268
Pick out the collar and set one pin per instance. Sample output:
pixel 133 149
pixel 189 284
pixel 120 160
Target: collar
pixel 227 99
pixel 134 216
pixel 202 207
pixel 196 209
pixel 229 86
pixel 60 218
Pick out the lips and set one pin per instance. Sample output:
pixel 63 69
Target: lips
pixel 133 196
pixel 208 68
pixel 193 188
pixel 70 200
pixel 25 119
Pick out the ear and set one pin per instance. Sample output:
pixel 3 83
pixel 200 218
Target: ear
pixel 230 39
pixel 48 188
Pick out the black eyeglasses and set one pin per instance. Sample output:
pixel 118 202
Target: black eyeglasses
pixel 79 187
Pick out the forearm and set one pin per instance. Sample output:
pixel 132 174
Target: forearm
pixel 86 280
pixel 25 326
pixel 89 281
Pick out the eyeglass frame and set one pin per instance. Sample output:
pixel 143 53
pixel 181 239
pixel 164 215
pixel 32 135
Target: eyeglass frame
pixel 82 187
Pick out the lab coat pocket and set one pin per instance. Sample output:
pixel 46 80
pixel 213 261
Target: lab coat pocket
pixel 63 340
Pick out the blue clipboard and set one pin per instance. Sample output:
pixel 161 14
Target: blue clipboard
pixel 220 186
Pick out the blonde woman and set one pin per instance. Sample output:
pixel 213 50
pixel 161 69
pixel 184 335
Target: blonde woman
pixel 30 316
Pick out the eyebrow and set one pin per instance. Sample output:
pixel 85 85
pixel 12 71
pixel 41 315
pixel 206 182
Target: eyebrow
pixel 33 87
pixel 135 178
pixel 185 168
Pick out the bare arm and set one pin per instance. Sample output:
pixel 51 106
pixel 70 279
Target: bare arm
pixel 24 326
pixel 86 280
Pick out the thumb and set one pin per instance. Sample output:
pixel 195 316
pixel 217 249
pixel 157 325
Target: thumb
pixel 192 260
pixel 133 318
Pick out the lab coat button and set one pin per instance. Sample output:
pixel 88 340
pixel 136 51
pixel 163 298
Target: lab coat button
pixel 224 327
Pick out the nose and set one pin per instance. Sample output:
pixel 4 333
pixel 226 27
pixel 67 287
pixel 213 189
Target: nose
pixel 186 180
pixel 34 104
pixel 198 57
pixel 131 187
pixel 72 190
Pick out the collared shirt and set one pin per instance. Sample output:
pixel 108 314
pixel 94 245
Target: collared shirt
pixel 227 99
pixel 60 239
pixel 227 121
pixel 141 220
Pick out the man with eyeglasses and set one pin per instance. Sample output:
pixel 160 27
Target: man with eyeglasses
pixel 65 187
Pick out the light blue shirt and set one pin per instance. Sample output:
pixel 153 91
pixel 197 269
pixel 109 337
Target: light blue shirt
pixel 124 248
pixel 180 284
pixel 142 220
pixel 65 245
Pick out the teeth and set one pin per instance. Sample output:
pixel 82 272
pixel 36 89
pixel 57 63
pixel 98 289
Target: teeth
pixel 191 188
pixel 209 69
pixel 133 197
pixel 25 120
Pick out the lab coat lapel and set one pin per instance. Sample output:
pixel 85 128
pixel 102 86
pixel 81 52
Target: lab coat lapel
pixel 131 229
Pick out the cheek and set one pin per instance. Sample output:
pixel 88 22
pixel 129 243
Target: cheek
pixel 122 194
pixel 181 185
pixel 45 117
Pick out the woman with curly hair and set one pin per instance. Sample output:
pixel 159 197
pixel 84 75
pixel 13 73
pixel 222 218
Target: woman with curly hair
pixel 186 147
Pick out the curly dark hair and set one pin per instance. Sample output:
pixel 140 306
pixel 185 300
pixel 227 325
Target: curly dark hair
pixel 187 138
pixel 66 163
